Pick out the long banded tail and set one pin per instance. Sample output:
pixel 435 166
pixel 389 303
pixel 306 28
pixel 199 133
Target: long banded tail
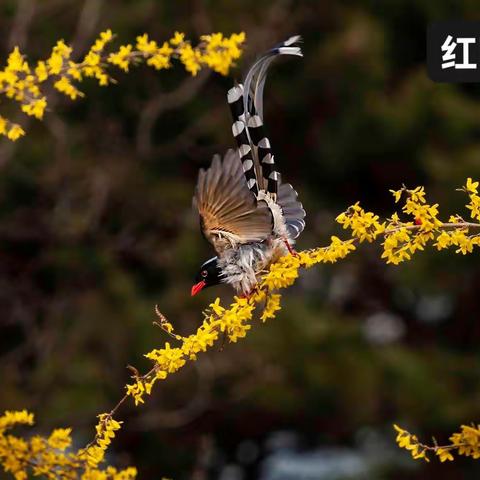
pixel 264 154
pixel 246 104
pixel 239 130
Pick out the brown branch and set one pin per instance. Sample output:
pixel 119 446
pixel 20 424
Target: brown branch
pixel 21 24
pixel 164 102
pixel 442 226
pixel 87 22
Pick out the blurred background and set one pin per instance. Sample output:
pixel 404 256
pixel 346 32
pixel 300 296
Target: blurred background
pixel 96 228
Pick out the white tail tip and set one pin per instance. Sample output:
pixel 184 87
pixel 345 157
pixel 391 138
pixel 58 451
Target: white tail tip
pixel 292 40
pixel 235 93
pixel 290 51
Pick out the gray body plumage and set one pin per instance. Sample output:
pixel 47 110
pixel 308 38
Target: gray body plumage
pixel 242 265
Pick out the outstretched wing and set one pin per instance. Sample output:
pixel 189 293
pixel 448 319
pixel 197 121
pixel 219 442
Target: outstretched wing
pixel 229 211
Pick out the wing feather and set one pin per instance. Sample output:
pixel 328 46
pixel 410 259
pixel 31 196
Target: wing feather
pixel 229 211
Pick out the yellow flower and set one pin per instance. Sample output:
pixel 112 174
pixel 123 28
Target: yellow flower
pixel 65 86
pixel 177 39
pixel 3 125
pixel 417 195
pixel 104 38
pixel 35 108
pixel 204 338
pixel 16 62
pixel 471 186
pixel 41 71
pixel 60 438
pixel 11 418
pixel 15 132
pixel 136 390
pixel 146 46
pixel 234 320
pixel 161 59
pixel 443 240
pixel 420 453
pixel 60 54
pixel 190 58
pixel 75 71
pixel 273 304
pixel 121 58
pixel 216 307
pixel 460 239
pixel 403 437
pixel 397 194
pixel 219 52
pixel 55 64
pixel 444 454
pixel 168 359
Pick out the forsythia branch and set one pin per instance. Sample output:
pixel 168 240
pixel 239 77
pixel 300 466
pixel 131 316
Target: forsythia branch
pixel 52 457
pixel 466 442
pixel 400 237
pixel 25 83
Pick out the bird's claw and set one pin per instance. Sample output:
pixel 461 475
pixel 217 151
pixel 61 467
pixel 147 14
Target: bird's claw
pixel 249 295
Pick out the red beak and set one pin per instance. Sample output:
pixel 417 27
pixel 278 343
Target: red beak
pixel 198 287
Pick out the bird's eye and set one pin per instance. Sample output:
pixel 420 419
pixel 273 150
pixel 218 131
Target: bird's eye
pixel 204 273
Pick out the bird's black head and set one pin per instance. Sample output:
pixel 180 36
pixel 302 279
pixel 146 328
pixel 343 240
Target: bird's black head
pixel 208 275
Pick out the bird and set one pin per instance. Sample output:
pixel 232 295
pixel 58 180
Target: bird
pixel 248 215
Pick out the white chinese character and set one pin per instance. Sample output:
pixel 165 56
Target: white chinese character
pixel 466 52
pixel 449 56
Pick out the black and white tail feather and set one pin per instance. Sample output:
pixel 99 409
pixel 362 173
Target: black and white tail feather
pixel 258 162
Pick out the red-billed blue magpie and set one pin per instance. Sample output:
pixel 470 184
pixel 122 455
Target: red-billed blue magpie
pixel 249 216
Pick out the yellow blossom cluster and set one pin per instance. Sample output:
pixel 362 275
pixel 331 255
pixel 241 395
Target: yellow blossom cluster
pixel 364 225
pixel 50 457
pixel 105 432
pixel 24 83
pixel 410 442
pixel 401 239
pixel 471 188
pixel 218 52
pixel 233 322
pixel 466 442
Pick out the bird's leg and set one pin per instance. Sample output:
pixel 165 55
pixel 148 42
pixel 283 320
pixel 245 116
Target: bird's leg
pixel 250 293
pixel 290 248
